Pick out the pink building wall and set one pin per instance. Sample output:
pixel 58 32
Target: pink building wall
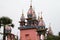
pixel 32 34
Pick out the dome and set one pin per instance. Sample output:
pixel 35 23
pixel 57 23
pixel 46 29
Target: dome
pixel 22 17
pixel 31 11
pixel 41 21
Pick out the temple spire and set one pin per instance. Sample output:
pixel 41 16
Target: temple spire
pixel 22 22
pixel 31 3
pixel 41 15
pixel 41 21
pixel 31 11
pixel 49 29
pixel 38 17
pixel 22 13
pixel 22 17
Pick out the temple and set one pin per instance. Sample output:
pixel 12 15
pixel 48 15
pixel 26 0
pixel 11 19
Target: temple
pixel 33 29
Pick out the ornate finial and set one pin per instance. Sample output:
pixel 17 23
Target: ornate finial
pixel 22 13
pixel 50 30
pixel 41 14
pixel 38 16
pixel 22 16
pixel 31 3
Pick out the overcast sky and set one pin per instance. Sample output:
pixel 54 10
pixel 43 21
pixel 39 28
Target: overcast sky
pixel 49 8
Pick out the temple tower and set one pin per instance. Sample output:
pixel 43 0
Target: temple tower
pixel 41 28
pixel 28 32
pixel 34 28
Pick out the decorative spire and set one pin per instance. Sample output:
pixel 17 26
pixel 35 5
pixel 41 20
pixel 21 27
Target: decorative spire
pixel 41 14
pixel 22 13
pixel 22 17
pixel 38 17
pixel 31 3
pixel 31 11
pixel 49 29
pixel 41 21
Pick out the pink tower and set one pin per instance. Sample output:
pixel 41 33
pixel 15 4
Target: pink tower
pixel 30 30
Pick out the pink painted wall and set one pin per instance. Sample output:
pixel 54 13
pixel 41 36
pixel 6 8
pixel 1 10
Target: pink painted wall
pixel 32 34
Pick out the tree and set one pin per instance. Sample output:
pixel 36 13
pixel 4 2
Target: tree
pixel 53 37
pixel 59 33
pixel 4 21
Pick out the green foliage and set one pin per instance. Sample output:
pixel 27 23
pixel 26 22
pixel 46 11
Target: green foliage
pixel 59 33
pixel 5 20
pixel 52 37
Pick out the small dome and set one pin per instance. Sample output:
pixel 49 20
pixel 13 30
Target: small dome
pixel 41 21
pixel 22 17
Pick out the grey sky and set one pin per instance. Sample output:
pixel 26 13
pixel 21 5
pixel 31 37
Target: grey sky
pixel 50 9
